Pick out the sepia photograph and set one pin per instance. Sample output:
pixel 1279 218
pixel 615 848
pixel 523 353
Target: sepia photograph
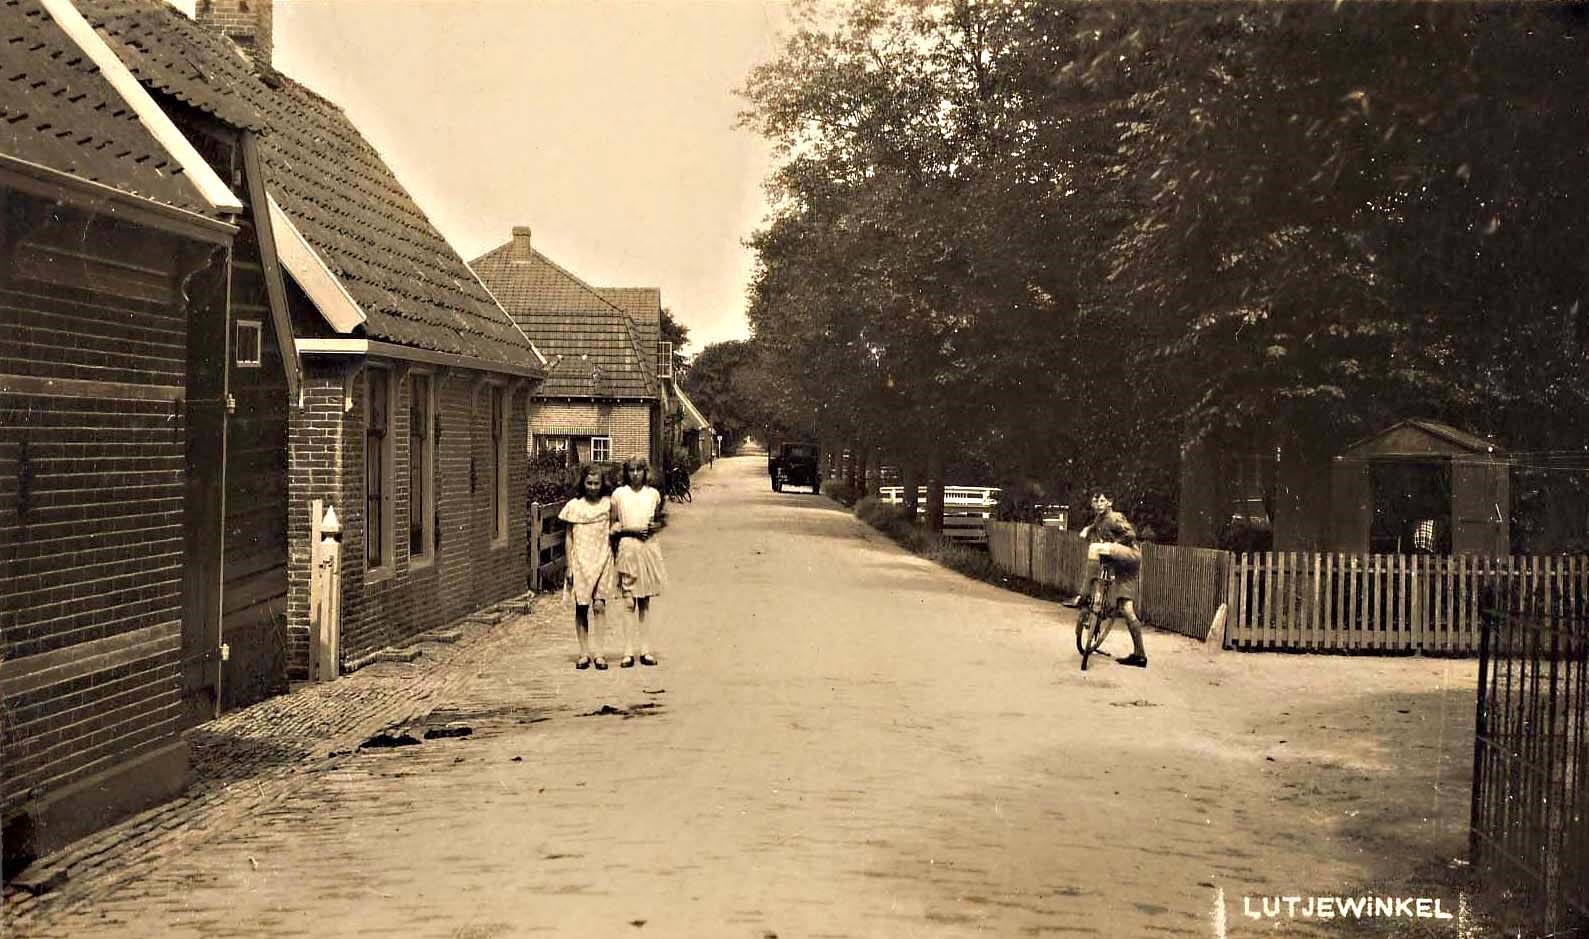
pixel 794 469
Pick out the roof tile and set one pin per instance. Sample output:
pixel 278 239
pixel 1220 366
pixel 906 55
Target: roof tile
pixel 59 111
pixel 413 287
pixel 600 353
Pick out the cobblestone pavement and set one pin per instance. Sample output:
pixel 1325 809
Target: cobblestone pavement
pixel 841 740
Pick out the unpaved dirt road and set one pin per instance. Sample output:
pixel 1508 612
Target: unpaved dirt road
pixel 845 740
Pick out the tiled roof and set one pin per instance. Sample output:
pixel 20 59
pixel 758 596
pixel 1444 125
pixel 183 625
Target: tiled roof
pixel 644 307
pixel 412 286
pixel 57 110
pixel 172 54
pixel 566 317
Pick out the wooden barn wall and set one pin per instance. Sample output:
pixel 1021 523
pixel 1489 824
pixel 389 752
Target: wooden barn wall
pixel 91 500
pixel 254 599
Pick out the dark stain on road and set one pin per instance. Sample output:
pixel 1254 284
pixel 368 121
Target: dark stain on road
pixel 639 710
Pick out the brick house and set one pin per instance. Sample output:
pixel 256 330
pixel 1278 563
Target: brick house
pixel 601 400
pixel 115 242
pixel 408 421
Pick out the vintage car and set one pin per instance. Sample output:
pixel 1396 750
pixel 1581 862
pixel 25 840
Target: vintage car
pixel 798 464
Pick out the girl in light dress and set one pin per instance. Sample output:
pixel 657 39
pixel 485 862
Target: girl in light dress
pixel 590 564
pixel 641 575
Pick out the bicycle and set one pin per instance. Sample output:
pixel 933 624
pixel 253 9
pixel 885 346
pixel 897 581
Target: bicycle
pixel 678 486
pixel 1093 619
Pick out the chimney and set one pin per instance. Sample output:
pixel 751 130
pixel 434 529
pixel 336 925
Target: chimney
pixel 521 244
pixel 245 22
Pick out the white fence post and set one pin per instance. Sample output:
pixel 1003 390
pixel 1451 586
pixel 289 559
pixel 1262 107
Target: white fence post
pixel 325 593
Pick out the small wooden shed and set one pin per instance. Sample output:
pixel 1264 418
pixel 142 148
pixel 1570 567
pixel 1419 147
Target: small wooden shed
pixel 1381 487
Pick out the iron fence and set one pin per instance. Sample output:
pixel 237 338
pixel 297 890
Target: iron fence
pixel 1530 813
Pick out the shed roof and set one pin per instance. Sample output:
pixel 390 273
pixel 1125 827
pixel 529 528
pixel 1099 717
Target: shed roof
pixel 693 418
pixel 592 343
pixel 58 110
pixel 1420 437
pixel 331 183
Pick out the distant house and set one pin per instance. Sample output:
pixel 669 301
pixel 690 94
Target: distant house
pixel 695 432
pixel 601 400
pixel 115 239
pixel 408 416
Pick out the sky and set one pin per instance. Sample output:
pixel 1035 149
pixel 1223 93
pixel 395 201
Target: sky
pixel 607 127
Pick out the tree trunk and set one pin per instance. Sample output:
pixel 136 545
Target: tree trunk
pixel 909 481
pixel 873 472
pixel 852 467
pixel 934 518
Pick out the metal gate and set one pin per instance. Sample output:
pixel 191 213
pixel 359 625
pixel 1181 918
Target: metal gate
pixel 1530 814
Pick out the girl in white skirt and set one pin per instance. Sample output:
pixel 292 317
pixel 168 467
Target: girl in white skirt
pixel 590 568
pixel 639 561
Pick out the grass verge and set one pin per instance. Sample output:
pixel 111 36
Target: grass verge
pixel 971 561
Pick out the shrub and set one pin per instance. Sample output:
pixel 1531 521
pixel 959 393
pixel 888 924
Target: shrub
pixel 973 562
pixel 1246 534
pixel 551 480
pixel 840 491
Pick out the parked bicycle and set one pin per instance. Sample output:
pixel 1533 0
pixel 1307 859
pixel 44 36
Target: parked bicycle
pixel 678 485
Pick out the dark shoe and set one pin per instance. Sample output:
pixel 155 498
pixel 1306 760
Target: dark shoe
pixel 626 662
pixel 647 659
pixel 583 663
pixel 601 664
pixel 1140 661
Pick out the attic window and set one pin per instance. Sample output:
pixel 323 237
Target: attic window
pixel 247 345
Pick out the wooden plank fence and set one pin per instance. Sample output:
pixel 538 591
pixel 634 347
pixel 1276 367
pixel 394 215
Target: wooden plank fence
pixel 545 546
pixel 1182 588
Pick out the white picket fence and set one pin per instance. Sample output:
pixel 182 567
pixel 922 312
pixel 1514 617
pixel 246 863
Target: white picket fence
pixel 966 509
pixel 1381 602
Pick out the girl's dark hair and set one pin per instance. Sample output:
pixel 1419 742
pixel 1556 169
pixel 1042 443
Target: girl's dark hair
pixel 635 462
pixel 585 470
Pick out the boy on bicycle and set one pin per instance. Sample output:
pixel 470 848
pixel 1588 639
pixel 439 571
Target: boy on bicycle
pixel 1112 536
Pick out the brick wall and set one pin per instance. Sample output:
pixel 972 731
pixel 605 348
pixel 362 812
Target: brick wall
pixel 469 569
pixel 627 423
pixel 246 22
pixel 91 508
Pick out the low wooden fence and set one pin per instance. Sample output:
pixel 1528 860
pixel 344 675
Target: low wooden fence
pixel 545 546
pixel 1182 588
pixel 1377 602
pixel 1302 601
pixel 1530 814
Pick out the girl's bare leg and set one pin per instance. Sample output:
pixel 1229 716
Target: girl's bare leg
pixel 582 628
pixel 631 625
pixel 642 606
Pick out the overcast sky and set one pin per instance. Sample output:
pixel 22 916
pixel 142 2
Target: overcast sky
pixel 607 127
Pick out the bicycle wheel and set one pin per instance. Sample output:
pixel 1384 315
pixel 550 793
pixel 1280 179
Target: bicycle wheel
pixel 1082 617
pixel 1100 631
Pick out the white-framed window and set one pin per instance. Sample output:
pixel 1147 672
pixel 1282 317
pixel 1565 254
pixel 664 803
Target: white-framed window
pixel 499 464
pixel 421 468
pixel 247 344
pixel 379 402
pixel 601 449
pixel 664 360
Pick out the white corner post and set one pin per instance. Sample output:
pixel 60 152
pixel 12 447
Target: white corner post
pixel 325 591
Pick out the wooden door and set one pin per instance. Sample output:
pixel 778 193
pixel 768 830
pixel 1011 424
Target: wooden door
pixel 205 496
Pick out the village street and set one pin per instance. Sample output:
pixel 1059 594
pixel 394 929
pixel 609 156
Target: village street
pixel 840 740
